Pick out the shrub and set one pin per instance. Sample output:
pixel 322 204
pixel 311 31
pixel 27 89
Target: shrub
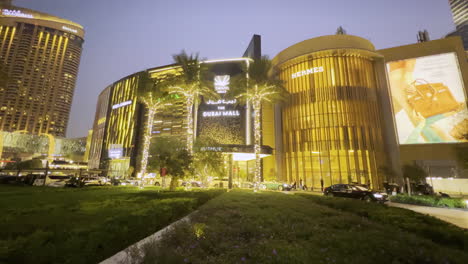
pixel 429 201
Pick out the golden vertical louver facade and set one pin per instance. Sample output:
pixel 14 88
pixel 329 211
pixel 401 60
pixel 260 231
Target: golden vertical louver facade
pixel 331 123
pixel 122 117
pixel 40 54
pixel 99 129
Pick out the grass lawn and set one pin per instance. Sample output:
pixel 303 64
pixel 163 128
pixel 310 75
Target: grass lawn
pixel 429 200
pixel 85 225
pixel 269 227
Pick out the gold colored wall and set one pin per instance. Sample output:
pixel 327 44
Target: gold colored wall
pixel 331 127
pixel 268 139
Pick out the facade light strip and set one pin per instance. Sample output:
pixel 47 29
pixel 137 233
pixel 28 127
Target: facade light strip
pixel 247 60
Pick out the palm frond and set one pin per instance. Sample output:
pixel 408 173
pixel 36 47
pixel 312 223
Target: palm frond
pixel 194 78
pixel 257 84
pixel 153 92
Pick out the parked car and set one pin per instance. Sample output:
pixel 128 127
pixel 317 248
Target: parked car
pixel 222 183
pixel 354 191
pixel 57 180
pixel 247 185
pixel 95 181
pixel 391 187
pixel 127 182
pixel 277 186
pixel 7 179
pixel 152 181
pixel 422 189
pixel 192 184
pixel 29 179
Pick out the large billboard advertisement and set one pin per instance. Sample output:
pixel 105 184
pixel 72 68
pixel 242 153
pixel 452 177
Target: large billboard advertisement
pixel 429 101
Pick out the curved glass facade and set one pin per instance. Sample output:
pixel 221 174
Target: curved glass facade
pixel 331 123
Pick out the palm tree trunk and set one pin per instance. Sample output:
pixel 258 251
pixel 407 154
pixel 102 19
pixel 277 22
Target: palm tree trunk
pixel 257 141
pixel 174 183
pixel 190 102
pixel 146 141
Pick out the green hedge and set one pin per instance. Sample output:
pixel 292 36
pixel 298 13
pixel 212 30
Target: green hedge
pixel 429 201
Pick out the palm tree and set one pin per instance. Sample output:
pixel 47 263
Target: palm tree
pixel 191 82
pixel 256 86
pixel 151 93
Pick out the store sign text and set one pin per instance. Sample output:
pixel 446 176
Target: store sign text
pixel 221 101
pixel 221 85
pixel 220 113
pixel 69 29
pixel 307 72
pixel 115 151
pixel 122 104
pixel 16 13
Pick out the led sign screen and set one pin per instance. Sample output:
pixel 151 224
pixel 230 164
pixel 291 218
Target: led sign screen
pixel 115 151
pixel 223 119
pixel 428 99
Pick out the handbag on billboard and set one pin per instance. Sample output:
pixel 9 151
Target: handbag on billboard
pixel 430 99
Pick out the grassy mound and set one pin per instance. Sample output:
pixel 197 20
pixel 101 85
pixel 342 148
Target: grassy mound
pixel 246 227
pixel 46 225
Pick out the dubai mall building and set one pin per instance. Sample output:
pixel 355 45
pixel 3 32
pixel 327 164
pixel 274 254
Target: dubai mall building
pixel 352 113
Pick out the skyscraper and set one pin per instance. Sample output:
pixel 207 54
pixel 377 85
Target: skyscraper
pixel 460 18
pixel 459 12
pixel 40 56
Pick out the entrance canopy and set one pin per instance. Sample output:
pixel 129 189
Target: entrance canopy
pixel 240 152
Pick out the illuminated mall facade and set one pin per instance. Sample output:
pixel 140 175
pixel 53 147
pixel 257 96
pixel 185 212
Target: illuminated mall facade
pixel 352 113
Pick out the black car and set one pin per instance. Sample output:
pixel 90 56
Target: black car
pixel 422 189
pixel 354 191
pixel 7 179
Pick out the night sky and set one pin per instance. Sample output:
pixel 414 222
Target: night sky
pixel 127 36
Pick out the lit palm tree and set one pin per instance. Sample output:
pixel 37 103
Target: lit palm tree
pixel 256 86
pixel 151 93
pixel 191 82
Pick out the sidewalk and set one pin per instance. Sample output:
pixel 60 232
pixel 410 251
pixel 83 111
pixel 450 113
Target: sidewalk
pixel 453 216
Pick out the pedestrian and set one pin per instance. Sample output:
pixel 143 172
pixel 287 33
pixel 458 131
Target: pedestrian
pixel 321 183
pixel 301 186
